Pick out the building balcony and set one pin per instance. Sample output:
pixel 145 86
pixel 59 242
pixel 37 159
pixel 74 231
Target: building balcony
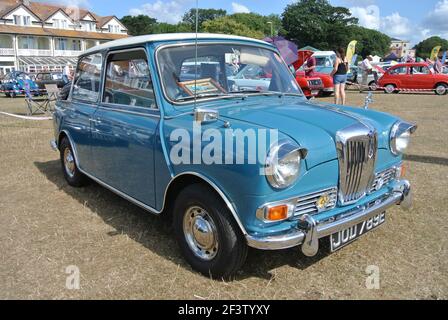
pixel 67 53
pixel 7 52
pixel 34 52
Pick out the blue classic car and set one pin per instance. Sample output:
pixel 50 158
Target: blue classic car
pixel 233 168
pixel 17 82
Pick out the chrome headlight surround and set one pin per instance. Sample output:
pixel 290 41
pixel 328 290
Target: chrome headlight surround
pixel 283 162
pixel 400 136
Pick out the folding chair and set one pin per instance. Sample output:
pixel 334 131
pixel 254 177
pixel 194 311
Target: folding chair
pixel 37 104
pixel 52 91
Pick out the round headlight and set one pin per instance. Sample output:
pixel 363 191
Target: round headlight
pixel 400 137
pixel 283 165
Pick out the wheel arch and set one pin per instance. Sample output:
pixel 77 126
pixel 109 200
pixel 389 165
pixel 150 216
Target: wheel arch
pixel 439 83
pixel 183 180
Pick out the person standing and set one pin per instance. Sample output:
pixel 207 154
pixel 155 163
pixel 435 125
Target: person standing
pixel 67 73
pixel 366 69
pixel 339 74
pixel 310 67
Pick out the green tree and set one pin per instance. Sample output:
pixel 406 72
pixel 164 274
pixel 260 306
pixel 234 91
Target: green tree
pixel 425 47
pixel 203 15
pixel 369 41
pixel 227 25
pixel 261 23
pixel 164 27
pixel 139 25
pixel 317 23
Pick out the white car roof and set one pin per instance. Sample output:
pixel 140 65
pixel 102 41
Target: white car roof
pixel 324 53
pixel 167 37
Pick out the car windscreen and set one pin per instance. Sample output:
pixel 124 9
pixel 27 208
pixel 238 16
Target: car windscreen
pixel 222 70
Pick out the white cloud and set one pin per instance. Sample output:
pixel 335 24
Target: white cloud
pixel 397 26
pixel 437 20
pixel 369 16
pixel 164 11
pixel 393 25
pixel 239 8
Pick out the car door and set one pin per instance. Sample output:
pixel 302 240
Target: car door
pixel 125 126
pixel 82 105
pixel 399 76
pixel 422 77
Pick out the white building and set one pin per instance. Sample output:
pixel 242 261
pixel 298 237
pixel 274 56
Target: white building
pixel 400 47
pixel 35 36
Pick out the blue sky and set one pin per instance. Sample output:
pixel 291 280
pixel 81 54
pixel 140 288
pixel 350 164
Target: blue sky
pixel 408 20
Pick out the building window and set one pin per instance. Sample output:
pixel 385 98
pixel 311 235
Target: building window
pixel 76 45
pixel 60 24
pixel 89 26
pixel 22 20
pixel 61 44
pixel 114 29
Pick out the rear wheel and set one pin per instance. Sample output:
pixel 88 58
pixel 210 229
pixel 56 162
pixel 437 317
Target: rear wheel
pixel 441 89
pixel 69 166
pixel 208 235
pixel 390 88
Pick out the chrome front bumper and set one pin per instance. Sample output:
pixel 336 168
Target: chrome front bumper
pixel 309 231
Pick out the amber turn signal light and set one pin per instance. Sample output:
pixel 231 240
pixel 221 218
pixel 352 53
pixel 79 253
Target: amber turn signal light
pixel 403 170
pixel 277 213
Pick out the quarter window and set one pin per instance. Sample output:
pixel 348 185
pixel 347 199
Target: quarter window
pixel 128 80
pixel 87 79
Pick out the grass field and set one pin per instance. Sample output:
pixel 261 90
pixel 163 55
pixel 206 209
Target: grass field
pixel 123 252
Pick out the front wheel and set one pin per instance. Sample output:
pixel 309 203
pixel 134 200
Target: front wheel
pixel 373 86
pixel 441 89
pixel 207 234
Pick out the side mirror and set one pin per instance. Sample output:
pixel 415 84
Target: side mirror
pixel 205 115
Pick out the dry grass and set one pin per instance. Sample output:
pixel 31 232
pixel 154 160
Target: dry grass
pixel 126 253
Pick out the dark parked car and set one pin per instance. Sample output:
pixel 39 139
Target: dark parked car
pixel 18 82
pixel 44 78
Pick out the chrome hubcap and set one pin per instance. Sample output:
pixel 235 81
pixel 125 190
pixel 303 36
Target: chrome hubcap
pixel 441 90
pixel 200 233
pixel 69 162
pixel 390 89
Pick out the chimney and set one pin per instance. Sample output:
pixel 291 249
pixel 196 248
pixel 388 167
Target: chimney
pixel 24 2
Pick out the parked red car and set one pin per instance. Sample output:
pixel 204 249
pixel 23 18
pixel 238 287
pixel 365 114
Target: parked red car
pixel 310 85
pixel 413 76
pixel 326 88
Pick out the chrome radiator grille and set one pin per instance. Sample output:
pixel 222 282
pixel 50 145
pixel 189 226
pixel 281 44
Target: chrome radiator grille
pixel 383 178
pixel 308 204
pixel 357 150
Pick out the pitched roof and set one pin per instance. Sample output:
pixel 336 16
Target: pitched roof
pixel 45 10
pixel 12 29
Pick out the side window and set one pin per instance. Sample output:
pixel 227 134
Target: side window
pixel 420 70
pixel 87 79
pixel 399 71
pixel 128 80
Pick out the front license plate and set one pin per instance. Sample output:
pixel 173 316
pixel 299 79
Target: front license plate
pixel 347 236
pixel 315 92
